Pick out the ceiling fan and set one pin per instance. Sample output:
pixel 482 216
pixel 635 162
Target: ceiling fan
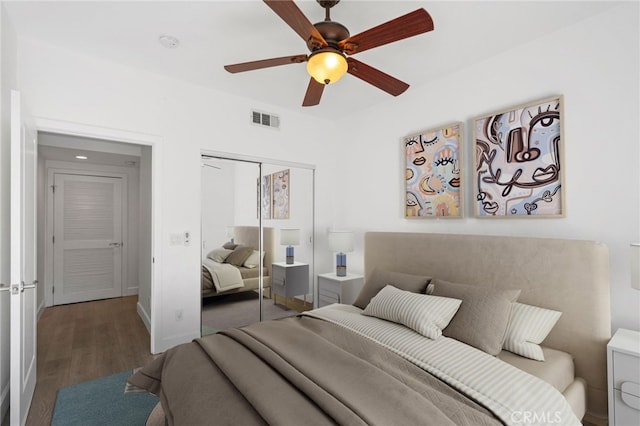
pixel 332 46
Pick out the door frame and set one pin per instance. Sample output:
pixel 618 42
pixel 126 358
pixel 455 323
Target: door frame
pixel 49 224
pixel 43 124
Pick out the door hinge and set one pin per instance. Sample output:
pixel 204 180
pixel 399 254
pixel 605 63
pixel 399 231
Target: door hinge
pixel 53 289
pixel 53 188
pixel 53 239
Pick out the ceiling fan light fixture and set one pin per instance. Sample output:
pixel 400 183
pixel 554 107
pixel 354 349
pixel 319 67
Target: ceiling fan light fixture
pixel 327 66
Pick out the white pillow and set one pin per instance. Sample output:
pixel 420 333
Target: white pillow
pixel 219 254
pixel 529 326
pixel 423 313
pixel 253 260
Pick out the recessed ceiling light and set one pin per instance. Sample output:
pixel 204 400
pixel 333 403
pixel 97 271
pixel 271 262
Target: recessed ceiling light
pixel 81 157
pixel 168 41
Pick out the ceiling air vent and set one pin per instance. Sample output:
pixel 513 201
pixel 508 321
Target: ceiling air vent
pixel 264 119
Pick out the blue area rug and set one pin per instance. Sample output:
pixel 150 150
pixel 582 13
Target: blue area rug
pixel 102 402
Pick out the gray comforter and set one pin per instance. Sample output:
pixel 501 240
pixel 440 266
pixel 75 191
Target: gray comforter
pixel 299 371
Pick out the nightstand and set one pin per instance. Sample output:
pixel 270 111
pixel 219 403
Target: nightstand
pixel 289 279
pixel 335 289
pixel 623 378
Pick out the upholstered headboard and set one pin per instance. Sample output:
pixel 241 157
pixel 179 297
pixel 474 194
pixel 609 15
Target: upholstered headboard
pixel 570 276
pixel 250 236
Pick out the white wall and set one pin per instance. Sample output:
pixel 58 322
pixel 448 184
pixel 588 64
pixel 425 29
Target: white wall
pixel 61 85
pixel 8 81
pixel 594 64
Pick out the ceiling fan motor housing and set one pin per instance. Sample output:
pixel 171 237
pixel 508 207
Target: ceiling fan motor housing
pixel 332 32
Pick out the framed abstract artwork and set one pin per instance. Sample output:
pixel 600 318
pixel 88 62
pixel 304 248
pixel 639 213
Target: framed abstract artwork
pixel 518 161
pixel 265 204
pixel 433 179
pixel 280 194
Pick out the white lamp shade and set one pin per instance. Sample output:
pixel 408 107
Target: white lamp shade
pixel 635 265
pixel 289 237
pixel 341 241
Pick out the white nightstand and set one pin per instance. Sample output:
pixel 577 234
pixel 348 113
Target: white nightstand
pixel 289 279
pixel 335 289
pixel 623 378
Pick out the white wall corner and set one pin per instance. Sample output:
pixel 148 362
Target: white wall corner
pixel 144 316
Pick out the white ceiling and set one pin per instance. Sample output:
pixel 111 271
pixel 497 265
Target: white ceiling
pixel 216 33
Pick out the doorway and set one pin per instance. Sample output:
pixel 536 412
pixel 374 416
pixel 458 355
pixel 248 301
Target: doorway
pixel 102 173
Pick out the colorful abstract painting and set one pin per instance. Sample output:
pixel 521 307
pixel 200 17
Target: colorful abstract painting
pixel 518 159
pixel 432 173
pixel 280 193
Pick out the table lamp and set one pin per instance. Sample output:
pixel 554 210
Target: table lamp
pixel 341 242
pixel 289 238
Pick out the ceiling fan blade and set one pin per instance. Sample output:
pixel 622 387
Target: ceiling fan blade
pixel 314 93
pixel 375 77
pixel 265 63
pixel 293 16
pixel 409 25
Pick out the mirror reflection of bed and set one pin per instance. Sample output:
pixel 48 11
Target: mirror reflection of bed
pixel 230 282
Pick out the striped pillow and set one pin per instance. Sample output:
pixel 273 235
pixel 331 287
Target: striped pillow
pixel 529 326
pixel 425 314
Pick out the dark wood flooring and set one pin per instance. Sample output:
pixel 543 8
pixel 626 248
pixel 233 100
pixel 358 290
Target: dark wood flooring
pixel 85 341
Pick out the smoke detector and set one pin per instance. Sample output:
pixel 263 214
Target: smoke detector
pixel 168 41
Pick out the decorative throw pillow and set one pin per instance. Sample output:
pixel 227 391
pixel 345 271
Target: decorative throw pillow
pixel 483 317
pixel 239 255
pixel 529 326
pixel 425 314
pixel 230 246
pixel 253 260
pixel 379 279
pixel 219 254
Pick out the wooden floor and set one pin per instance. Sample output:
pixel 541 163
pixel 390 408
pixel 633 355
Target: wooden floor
pixel 85 341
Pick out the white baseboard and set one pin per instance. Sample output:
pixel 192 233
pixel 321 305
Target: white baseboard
pixel 146 319
pixel 130 290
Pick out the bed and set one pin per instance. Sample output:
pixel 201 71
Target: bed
pixel 235 267
pixel 352 365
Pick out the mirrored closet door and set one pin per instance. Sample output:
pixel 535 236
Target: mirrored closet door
pixel 257 241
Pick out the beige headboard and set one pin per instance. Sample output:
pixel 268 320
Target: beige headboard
pixel 249 236
pixel 570 276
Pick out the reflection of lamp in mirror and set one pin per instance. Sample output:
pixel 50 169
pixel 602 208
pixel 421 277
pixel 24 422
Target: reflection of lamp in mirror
pixel 289 238
pixel 635 265
pixel 229 233
pixel 341 242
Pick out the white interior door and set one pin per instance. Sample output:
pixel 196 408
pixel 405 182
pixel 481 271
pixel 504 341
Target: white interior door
pixel 87 246
pixel 23 263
